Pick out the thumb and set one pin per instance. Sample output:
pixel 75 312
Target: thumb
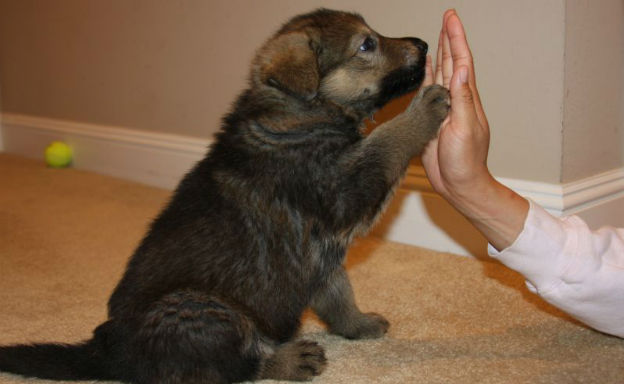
pixel 462 100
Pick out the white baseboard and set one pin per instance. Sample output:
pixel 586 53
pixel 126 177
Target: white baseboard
pixel 558 199
pixel 417 215
pixel 152 158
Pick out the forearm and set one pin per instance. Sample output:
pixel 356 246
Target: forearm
pixel 495 210
pixel 573 268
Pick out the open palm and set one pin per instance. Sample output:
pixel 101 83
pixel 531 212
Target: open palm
pixel 459 154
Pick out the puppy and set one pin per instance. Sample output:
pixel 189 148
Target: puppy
pixel 257 231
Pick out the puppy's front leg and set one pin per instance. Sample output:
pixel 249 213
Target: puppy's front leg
pixel 406 136
pixel 371 169
pixel 335 305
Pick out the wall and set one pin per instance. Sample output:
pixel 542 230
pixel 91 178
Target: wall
pixel 175 66
pixel 1 130
pixel 594 93
pixel 140 86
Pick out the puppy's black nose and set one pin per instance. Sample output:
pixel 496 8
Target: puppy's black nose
pixel 421 45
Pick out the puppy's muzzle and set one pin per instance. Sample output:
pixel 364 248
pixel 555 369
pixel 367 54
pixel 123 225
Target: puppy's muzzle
pixel 421 45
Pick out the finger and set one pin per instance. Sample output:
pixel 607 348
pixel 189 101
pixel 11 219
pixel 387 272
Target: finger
pixel 428 72
pixel 443 63
pixel 444 51
pixel 447 13
pixel 438 71
pixel 447 59
pixel 458 44
pixel 461 56
pixel 462 98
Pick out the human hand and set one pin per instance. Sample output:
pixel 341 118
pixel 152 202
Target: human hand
pixel 456 161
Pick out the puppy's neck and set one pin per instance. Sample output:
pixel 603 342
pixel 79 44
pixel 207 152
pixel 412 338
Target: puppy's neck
pixel 283 113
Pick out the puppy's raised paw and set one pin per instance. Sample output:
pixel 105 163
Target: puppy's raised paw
pixel 434 103
pixel 298 360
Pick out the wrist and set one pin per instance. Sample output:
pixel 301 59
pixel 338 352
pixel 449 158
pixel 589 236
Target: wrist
pixel 467 194
pixel 495 210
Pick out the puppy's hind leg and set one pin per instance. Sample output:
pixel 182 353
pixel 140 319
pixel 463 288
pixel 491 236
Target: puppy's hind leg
pixel 335 305
pixel 189 337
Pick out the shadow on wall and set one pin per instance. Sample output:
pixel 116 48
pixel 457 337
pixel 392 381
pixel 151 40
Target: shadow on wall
pixel 426 220
pixel 455 226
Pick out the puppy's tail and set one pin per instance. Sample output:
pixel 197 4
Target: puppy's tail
pixel 84 361
pixel 51 361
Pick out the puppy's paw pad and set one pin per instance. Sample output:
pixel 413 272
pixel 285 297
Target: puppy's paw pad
pixel 436 99
pixel 434 92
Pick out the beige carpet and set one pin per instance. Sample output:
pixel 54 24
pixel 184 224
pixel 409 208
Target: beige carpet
pixel 65 236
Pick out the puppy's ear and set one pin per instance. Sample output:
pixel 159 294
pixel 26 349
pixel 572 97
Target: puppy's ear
pixel 288 62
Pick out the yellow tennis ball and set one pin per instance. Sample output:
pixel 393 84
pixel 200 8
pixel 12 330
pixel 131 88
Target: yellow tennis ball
pixel 58 154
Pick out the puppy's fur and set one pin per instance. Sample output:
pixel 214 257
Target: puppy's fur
pixel 257 231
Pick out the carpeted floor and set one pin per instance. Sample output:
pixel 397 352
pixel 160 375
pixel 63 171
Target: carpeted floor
pixel 65 236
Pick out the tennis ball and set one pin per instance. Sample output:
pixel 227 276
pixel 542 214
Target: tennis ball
pixel 58 154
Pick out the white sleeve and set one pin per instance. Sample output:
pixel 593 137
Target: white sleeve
pixel 571 267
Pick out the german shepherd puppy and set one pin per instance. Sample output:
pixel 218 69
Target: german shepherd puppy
pixel 257 231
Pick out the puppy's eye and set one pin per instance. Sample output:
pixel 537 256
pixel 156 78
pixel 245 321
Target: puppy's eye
pixel 368 45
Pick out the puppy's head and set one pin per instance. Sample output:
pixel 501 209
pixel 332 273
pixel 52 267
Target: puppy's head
pixel 335 56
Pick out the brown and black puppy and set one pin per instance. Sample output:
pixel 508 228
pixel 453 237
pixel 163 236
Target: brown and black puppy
pixel 257 231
